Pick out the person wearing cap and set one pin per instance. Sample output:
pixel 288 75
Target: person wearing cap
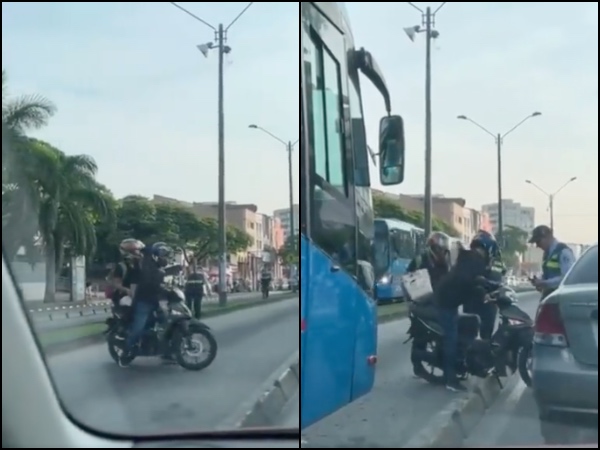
pixel 558 259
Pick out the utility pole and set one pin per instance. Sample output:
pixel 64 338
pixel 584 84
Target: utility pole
pixel 428 27
pixel 500 234
pixel 290 150
pixel 291 193
pixel 223 49
pixel 499 140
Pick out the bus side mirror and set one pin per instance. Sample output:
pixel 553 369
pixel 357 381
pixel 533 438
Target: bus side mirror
pixel 391 150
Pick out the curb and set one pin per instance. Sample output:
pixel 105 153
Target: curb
pixel 451 427
pixel 96 338
pixel 266 405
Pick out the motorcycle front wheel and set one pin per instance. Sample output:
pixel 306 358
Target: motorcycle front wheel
pixel 196 349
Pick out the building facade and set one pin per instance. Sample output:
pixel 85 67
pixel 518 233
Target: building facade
pixel 284 217
pixel 514 215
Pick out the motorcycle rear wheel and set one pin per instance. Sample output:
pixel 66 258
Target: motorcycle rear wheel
pixel 180 346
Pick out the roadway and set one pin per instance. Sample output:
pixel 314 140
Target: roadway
pixel 67 315
pixel 512 422
pixel 399 405
pixel 151 397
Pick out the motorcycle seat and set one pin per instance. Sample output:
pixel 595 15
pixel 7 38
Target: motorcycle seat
pixel 468 324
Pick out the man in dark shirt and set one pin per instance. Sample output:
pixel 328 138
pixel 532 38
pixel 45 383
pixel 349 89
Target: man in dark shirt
pixel 146 296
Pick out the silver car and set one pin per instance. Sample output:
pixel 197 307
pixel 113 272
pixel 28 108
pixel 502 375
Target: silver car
pixel 565 351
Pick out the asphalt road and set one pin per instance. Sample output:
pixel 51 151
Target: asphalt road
pixel 150 397
pixel 65 316
pixel 399 405
pixel 513 422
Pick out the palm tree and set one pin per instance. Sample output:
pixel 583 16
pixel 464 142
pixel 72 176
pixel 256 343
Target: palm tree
pixel 71 204
pixel 20 163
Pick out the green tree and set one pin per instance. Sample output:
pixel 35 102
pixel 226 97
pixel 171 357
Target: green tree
pixel 21 163
pixel 513 244
pixel 390 209
pixel 71 202
pixel 206 245
pixel 290 253
pixel 178 226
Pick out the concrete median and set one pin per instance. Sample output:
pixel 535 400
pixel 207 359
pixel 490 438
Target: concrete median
pixel 66 334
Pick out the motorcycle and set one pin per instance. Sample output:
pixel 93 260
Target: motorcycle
pixel 175 334
pixel 509 350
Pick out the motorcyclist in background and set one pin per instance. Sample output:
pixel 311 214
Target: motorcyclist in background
pixel 487 312
pixel 435 260
pixel 266 278
pixel 146 296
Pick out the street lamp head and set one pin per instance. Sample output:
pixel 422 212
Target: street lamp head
pixel 411 32
pixel 462 118
pixel 536 114
pixel 528 181
pixel 573 179
pixel 253 127
pixel 205 48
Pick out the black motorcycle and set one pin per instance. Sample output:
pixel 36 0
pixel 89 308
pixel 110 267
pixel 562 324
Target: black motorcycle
pixel 508 350
pixel 175 335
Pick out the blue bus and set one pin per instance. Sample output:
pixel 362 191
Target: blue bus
pixel 395 244
pixel 338 311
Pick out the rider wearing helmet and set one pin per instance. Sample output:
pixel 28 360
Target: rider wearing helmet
pixel 486 245
pixel 124 278
pixel 147 294
pixel 435 259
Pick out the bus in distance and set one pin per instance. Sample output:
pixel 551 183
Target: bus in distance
pixel 395 245
pixel 338 317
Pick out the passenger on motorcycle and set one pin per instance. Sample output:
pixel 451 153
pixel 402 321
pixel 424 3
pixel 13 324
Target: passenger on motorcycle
pixel 487 312
pixel 465 280
pixel 146 295
pixel 124 278
pixel 435 259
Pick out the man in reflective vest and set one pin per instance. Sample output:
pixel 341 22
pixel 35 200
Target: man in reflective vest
pixel 558 260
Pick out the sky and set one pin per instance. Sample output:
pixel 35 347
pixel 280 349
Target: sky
pixel 133 92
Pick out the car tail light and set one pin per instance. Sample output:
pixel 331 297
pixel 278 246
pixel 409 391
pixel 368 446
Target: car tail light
pixel 549 327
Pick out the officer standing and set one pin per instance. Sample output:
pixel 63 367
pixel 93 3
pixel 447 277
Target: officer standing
pixel 558 260
pixel 194 290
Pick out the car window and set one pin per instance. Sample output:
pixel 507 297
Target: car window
pixel 585 270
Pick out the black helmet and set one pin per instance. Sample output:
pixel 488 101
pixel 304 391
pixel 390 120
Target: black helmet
pixel 162 253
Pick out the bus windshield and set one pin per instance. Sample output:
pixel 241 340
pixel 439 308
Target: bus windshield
pixel 381 249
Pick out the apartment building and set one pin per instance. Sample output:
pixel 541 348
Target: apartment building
pixel 514 215
pixel 284 217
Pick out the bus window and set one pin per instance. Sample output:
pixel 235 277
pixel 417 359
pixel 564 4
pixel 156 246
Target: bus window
pixel 403 244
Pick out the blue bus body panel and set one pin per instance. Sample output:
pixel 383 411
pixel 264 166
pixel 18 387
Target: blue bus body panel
pixel 338 337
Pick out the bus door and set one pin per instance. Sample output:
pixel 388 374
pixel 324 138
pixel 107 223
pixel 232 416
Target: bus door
pixel 329 292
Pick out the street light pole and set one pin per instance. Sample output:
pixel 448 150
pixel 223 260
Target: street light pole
pixel 551 196
pixel 427 27
pixel 290 150
pixel 499 140
pixel 223 49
